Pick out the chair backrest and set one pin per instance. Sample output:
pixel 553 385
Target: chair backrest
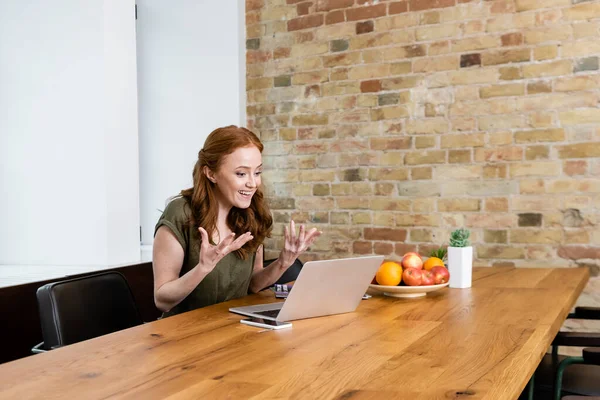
pixel 83 308
pixel 290 274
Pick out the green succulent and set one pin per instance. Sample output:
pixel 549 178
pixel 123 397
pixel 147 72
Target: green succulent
pixel 440 253
pixel 460 238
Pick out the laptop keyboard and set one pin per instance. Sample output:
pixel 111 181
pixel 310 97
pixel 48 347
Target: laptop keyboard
pixel 268 313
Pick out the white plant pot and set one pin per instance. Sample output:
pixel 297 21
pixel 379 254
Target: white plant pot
pixel 460 266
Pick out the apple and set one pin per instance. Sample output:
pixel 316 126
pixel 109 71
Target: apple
pixel 440 274
pixel 412 253
pixel 412 276
pixel 427 278
pixel 412 261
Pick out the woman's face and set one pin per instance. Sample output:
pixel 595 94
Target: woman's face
pixel 238 177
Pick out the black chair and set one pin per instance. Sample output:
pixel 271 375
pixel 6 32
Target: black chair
pixel 83 308
pixel 291 274
pixel 576 378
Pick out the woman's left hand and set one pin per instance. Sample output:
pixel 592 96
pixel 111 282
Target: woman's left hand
pixel 296 244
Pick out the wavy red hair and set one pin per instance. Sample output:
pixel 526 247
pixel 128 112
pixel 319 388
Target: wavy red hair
pixel 256 219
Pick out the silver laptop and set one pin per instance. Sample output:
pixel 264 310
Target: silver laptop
pixel 322 288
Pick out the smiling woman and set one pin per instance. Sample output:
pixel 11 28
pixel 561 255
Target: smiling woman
pixel 207 246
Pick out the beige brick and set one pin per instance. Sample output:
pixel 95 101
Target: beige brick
pixel 401 68
pixel 458 172
pixel 516 89
pixel 355 203
pixel 585 29
pixel 390 204
pixel 463 124
pixel 339 218
pixel 308 49
pixel 549 34
pixel 490 220
pixel 580 48
pixel 378 114
pixel 475 43
pixel 495 236
pixel 501 122
pixel 576 236
pixel 577 83
pixel 472 27
pixel 583 11
pixel 421 173
pixel 537 152
pixel 438 48
pixel 554 68
pixel 340 88
pixel 545 52
pixel 317 176
pixel 423 205
pixel 539 168
pixel 543 135
pixel 496 204
pixel 531 186
pixel 525 5
pixel 391 158
pixel 427 126
pixel 500 252
pixel 361 218
pixel 458 204
pixel 557 101
pixel 368 71
pixel 509 22
pixel 421 235
pixel 425 157
pixel 436 32
pixel 459 156
pixel 399 52
pixel 468 77
pixel 444 63
pixel 506 153
pixel 511 73
pixel 538 87
pixel 541 120
pixel 396 22
pixel 542 236
pixel 506 56
pixel 462 93
pixel 417 220
pixel 367 100
pixel 463 12
pixel 342 59
pixel 424 142
pixel 403 82
pixel 463 140
pixel 372 40
pixel 500 138
pixel 581 116
pixel 561 186
pixel 579 150
pixel 372 56
pixel 310 77
pixel 388 174
pixel 300 120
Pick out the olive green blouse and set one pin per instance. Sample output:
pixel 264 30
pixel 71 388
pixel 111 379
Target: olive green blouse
pixel 229 280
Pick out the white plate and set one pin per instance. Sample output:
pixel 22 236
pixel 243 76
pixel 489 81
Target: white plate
pixel 406 291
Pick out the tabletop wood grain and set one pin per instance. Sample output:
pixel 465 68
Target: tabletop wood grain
pixel 477 343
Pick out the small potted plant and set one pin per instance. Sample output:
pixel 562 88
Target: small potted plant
pixel 460 259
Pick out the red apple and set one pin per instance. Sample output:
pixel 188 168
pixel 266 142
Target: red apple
pixel 440 274
pixel 427 278
pixel 412 253
pixel 412 261
pixel 412 276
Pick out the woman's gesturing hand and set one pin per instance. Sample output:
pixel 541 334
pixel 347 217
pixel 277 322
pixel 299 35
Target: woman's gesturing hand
pixel 295 244
pixel 210 255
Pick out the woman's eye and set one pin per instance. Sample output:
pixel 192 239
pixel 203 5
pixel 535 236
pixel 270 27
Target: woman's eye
pixel 258 173
pixel 240 174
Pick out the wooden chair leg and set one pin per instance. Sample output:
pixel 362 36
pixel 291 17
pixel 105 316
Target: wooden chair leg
pixel 559 373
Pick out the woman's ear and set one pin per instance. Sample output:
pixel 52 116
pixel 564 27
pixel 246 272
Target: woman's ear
pixel 209 174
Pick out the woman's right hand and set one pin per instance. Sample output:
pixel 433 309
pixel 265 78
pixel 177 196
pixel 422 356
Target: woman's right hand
pixel 210 254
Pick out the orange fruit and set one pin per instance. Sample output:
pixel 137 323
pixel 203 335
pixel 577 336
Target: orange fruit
pixel 389 274
pixel 432 262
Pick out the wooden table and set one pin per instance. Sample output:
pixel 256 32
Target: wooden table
pixel 482 342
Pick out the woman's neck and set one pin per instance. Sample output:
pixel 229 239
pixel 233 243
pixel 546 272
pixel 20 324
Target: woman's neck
pixel 222 214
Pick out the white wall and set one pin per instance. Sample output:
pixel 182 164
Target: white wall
pixel 68 132
pixel 191 80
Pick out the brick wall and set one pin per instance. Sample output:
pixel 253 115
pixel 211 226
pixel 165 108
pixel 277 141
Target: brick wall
pixel 388 124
